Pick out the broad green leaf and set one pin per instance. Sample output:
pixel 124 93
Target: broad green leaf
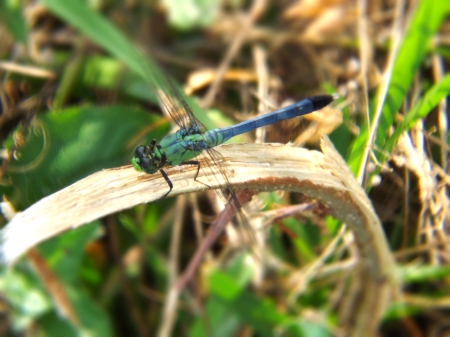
pixel 27 299
pixel 232 305
pixel 92 320
pixel 64 253
pixel 219 321
pixel 260 313
pixel 61 148
pixel 53 325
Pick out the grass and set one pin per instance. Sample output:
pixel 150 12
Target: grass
pixel 81 93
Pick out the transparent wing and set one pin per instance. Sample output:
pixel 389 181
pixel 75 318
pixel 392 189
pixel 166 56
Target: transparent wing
pixel 170 95
pixel 228 195
pixel 173 101
pixel 175 105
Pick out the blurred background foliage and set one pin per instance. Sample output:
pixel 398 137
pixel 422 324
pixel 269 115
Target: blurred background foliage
pixel 77 98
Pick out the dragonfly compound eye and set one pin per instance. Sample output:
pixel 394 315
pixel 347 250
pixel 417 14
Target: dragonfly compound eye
pixel 139 152
pixel 147 165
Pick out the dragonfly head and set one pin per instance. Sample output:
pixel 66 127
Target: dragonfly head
pixel 143 160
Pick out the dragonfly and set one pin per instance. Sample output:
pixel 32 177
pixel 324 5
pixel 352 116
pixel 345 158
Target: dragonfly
pixel 192 139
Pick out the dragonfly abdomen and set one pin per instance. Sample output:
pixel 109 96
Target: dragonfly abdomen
pixel 218 136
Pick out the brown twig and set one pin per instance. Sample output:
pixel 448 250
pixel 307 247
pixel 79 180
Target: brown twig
pixel 217 228
pixel 256 10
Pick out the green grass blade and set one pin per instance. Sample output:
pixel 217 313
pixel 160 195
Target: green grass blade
pixel 420 110
pixel 100 30
pixel 103 33
pixel 11 15
pixel 424 24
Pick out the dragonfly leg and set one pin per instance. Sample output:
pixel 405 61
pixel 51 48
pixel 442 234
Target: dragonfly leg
pixel 169 182
pixel 164 174
pixel 195 162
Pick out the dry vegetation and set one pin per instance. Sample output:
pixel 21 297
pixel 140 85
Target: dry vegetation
pixel 350 234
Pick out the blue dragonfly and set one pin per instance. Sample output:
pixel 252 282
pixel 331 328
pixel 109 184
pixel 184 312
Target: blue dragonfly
pixel 192 138
pixel 192 141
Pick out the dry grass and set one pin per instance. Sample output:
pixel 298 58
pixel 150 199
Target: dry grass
pixel 375 261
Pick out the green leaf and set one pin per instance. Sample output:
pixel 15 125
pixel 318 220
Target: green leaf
pixel 100 71
pixel 221 322
pixel 399 309
pixel 341 136
pixel 190 14
pixel 224 287
pixel 432 98
pixel 231 305
pixel 26 298
pixel 261 314
pixel 424 24
pixel 307 238
pixel 102 32
pixel 307 329
pixel 99 30
pixel 93 321
pixel 67 82
pixel 11 14
pixel 53 325
pixel 424 273
pixel 64 253
pixel 61 148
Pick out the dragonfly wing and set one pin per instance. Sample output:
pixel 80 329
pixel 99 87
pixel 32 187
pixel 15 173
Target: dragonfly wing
pixel 227 194
pixel 174 103
pixel 176 106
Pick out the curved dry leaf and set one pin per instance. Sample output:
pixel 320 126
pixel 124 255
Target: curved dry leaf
pixel 323 176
